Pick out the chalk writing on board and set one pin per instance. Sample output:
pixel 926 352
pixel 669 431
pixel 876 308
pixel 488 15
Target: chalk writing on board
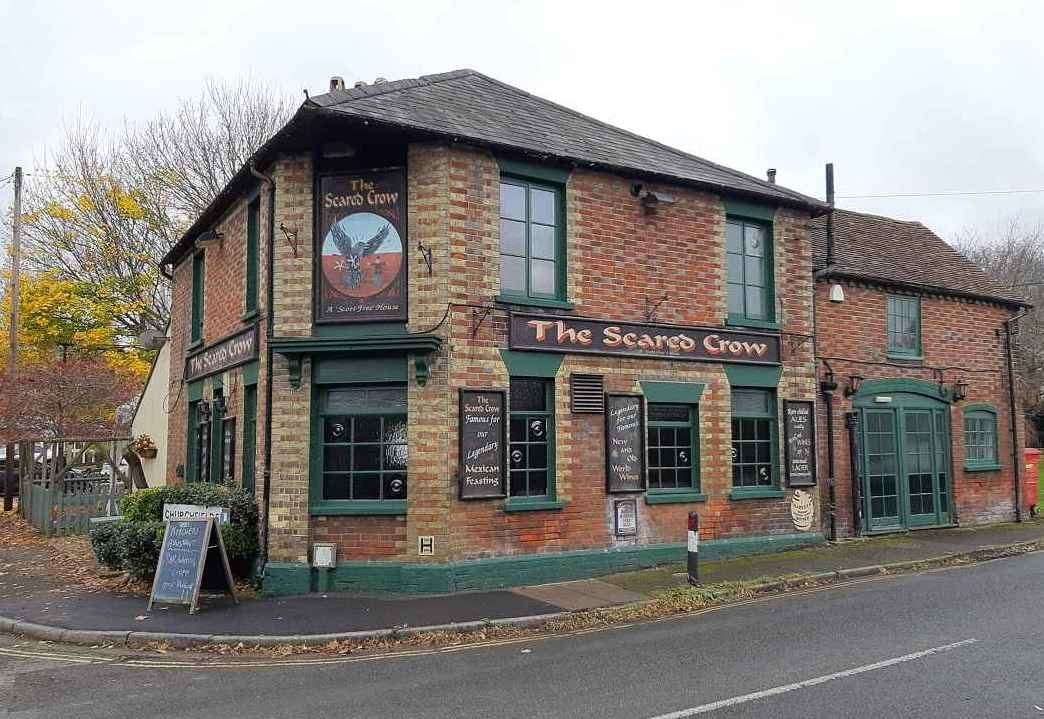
pixel 481 444
pixel 799 434
pixel 624 438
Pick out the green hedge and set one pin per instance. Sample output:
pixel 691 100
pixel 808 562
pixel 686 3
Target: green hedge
pixel 133 543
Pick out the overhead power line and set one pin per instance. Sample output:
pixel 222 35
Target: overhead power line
pixel 941 194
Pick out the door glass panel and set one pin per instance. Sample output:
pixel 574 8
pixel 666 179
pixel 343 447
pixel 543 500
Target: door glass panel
pixel 919 456
pixel 942 442
pixel 882 468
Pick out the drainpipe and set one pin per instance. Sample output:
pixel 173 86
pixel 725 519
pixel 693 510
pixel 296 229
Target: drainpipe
pixel 1016 460
pixel 830 215
pixel 269 318
pixel 828 388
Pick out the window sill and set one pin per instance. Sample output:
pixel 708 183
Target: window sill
pixel 737 321
pixel 983 467
pixel 532 505
pixel 249 315
pixel 359 507
pixel 534 302
pixel 741 493
pixel 904 358
pixel 654 497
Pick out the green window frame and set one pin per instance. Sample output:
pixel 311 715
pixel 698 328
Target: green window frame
pixel 531 444
pixel 981 452
pixel 750 273
pixel 755 443
pixel 904 326
pixel 198 279
pixel 361 449
pixel 672 448
pixel 249 437
pixel 192 448
pixel 532 241
pixel 253 239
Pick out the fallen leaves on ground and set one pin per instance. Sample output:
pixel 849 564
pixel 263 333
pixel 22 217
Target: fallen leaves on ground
pixel 24 552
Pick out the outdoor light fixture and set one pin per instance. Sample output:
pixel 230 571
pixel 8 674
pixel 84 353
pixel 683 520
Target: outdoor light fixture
pixel 651 200
pixel 210 238
pixel 837 293
pixel 855 383
pixel 829 382
pixel 960 389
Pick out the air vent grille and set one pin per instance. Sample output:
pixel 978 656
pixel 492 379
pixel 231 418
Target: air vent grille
pixel 588 393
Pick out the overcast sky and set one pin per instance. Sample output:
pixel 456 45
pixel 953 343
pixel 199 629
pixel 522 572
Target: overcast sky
pixel 911 97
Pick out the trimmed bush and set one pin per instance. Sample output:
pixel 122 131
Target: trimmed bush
pixel 133 544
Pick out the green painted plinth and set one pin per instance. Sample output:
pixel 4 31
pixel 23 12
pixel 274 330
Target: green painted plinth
pixel 504 572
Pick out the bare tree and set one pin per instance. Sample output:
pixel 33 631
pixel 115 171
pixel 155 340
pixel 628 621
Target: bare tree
pixel 1014 255
pixel 107 206
pixel 196 150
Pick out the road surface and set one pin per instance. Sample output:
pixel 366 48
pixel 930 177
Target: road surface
pixel 964 642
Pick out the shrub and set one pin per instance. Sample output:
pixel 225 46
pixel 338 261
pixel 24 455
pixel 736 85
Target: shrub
pixel 133 544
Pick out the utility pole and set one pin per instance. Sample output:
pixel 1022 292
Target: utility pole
pixel 15 297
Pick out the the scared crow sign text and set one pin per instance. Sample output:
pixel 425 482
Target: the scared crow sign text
pixel 362 247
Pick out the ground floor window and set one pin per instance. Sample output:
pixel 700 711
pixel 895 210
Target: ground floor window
pixel 364 442
pixel 249 436
pixel 228 449
pixel 753 438
pixel 531 449
pixel 671 452
pixel 980 438
pixel 199 442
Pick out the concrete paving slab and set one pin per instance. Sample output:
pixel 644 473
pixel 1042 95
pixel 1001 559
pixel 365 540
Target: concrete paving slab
pixel 581 594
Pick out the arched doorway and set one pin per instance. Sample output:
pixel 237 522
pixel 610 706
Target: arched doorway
pixel 904 462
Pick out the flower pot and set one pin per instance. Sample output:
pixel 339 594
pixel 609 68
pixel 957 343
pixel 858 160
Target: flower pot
pixel 149 453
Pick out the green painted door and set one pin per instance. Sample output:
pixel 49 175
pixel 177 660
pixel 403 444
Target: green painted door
pixel 906 477
pixel 881 470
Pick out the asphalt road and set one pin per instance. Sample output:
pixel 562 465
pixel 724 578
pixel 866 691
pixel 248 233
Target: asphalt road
pixel 964 642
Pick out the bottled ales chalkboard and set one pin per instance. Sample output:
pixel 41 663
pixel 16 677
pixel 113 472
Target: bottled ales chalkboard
pixel 482 448
pixel 183 556
pixel 624 443
pixel 799 431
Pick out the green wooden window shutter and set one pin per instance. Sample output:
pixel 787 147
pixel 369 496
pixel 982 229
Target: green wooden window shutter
pixel 198 272
pixel 253 239
pixel 741 375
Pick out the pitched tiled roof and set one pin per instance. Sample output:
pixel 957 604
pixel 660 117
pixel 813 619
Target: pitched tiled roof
pixel 471 106
pixel 903 254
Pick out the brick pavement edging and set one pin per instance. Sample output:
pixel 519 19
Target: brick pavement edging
pixel 177 640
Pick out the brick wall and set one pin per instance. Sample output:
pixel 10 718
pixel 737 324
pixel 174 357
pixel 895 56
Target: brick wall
pixel 961 340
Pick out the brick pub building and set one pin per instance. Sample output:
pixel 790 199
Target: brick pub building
pixel 913 346
pixel 469 338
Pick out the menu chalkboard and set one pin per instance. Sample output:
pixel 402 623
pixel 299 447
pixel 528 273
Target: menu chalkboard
pixel 482 444
pixel 624 443
pixel 181 561
pixel 799 431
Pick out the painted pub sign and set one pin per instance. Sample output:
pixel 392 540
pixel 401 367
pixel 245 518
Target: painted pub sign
pixel 362 247
pixel 585 336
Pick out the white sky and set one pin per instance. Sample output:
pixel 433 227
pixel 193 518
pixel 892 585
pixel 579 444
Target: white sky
pixel 902 97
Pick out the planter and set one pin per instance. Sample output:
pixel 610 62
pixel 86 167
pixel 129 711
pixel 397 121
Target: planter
pixel 149 453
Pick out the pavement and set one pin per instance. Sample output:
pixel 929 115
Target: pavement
pixel 955 642
pixel 51 604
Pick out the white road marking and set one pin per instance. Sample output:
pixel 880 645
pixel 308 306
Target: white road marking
pixel 754 696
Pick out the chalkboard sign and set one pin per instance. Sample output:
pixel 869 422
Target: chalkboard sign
pixel 799 430
pixel 482 444
pixel 183 556
pixel 624 443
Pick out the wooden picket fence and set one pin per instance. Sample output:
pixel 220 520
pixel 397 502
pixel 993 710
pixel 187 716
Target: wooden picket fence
pixel 62 483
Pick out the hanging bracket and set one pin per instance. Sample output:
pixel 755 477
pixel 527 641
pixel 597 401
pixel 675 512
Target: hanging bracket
pixel 291 237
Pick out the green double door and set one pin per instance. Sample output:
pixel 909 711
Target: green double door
pixel 905 464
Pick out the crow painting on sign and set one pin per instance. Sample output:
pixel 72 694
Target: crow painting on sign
pixel 362 252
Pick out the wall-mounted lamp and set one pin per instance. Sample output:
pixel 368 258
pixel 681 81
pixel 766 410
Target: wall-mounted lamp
pixel 960 390
pixel 837 293
pixel 855 383
pixel 210 238
pixel 651 200
pixel 829 382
